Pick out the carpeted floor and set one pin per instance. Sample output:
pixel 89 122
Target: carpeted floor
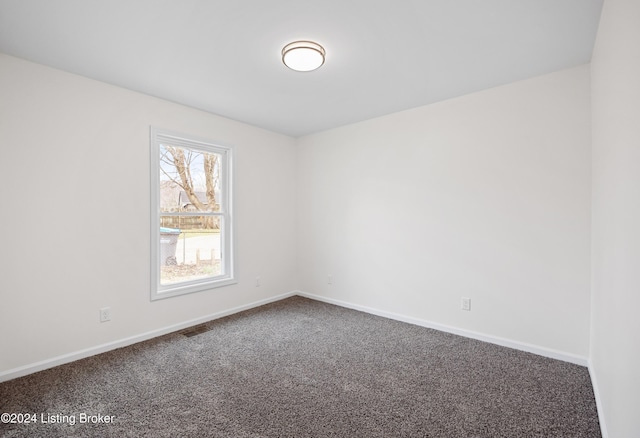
pixel 301 368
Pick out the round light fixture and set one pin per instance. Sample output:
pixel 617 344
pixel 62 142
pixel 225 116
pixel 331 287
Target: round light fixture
pixel 303 55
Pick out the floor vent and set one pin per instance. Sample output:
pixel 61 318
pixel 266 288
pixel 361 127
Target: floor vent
pixel 195 330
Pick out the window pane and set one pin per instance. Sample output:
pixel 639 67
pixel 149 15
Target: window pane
pixel 189 179
pixel 190 248
pixel 191 199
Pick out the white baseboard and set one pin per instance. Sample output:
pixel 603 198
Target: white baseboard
pixel 542 351
pixel 596 394
pixel 92 351
pixel 81 354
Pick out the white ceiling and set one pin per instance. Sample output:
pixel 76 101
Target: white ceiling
pixel 223 56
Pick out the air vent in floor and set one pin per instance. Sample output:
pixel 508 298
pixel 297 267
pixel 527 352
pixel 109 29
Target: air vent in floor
pixel 195 330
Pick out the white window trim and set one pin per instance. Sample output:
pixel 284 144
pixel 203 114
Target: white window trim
pixel 159 291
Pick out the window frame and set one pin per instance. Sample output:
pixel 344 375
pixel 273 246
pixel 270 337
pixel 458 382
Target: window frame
pixel 227 235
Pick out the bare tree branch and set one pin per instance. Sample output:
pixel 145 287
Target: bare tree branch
pixel 182 163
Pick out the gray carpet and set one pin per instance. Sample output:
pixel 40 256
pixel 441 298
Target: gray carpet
pixel 301 368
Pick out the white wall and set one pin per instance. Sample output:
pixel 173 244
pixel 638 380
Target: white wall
pixel 485 196
pixel 74 184
pixel 615 329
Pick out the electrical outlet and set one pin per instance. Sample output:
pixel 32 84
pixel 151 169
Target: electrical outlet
pixel 105 314
pixel 466 303
pixel 258 281
pixel 329 279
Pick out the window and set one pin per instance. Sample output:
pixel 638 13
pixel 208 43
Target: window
pixel 191 215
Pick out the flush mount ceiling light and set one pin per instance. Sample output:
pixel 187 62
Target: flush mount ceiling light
pixel 303 55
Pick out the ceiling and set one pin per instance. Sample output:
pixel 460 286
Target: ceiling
pixel 223 56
